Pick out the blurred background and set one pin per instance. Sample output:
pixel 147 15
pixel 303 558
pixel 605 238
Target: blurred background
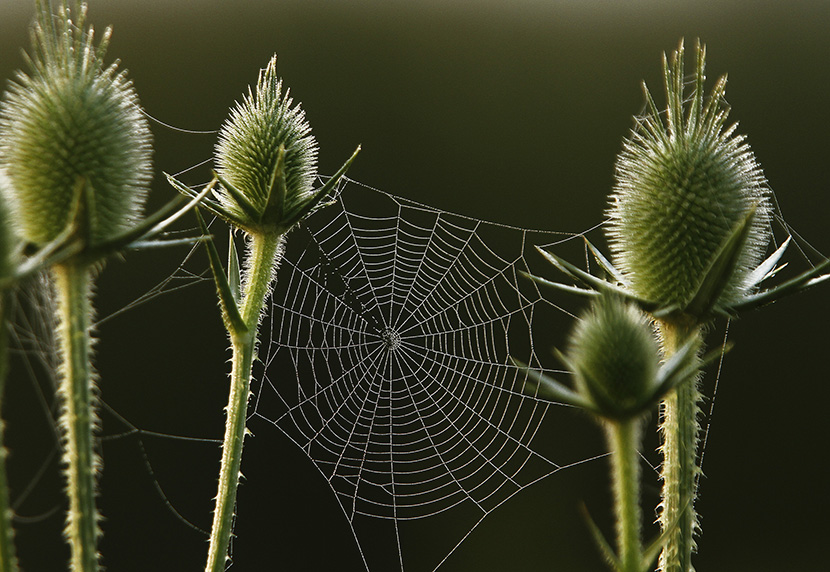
pixel 510 111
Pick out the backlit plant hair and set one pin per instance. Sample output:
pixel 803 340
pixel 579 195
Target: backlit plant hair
pixel 266 164
pixel 75 157
pixel 688 226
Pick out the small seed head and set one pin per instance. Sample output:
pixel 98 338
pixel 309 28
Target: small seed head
pixel 682 184
pixel 72 126
pixel 248 151
pixel 614 357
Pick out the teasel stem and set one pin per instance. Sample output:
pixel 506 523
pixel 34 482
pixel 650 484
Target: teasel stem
pixel 72 283
pixel 624 437
pixel 264 253
pixel 8 558
pixel 680 431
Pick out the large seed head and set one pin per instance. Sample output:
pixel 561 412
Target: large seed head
pixel 74 143
pixel 682 185
pixel 249 146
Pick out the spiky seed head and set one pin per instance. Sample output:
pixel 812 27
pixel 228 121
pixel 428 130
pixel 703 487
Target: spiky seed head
pixel 683 182
pixel 614 357
pixel 248 151
pixel 73 126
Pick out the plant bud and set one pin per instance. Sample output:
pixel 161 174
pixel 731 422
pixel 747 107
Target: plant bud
pixel 683 183
pixel 74 143
pixel 614 357
pixel 265 143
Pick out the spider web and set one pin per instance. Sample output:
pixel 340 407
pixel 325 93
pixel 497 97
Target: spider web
pixel 388 364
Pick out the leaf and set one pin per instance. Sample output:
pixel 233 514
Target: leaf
pixel 721 269
pixel 230 310
pixel 547 388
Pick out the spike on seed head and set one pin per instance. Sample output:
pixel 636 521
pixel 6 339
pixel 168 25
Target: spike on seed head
pixel 684 180
pixel 262 128
pixel 74 144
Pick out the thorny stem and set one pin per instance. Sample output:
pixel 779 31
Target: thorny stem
pixel 263 252
pixel 624 441
pixel 8 559
pixel 78 417
pixel 680 430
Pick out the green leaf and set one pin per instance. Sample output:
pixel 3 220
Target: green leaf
pixel 230 309
pixel 602 543
pixel 275 201
pixel 249 210
pixel 805 280
pixel 721 269
pixel 321 194
pixel 598 284
pixel 234 275
pixel 604 263
pixel 151 226
pixel 540 385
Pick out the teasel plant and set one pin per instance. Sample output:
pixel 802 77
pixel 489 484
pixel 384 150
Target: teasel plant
pixel 614 359
pixel 9 252
pixel 688 226
pixel 75 165
pixel 266 166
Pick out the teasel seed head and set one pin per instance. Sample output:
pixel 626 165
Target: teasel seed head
pixel 265 144
pixel 74 144
pixel 684 182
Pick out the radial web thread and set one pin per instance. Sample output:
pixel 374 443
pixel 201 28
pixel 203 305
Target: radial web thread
pixel 392 328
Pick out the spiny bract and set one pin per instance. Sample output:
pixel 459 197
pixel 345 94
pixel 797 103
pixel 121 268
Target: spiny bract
pixel 74 143
pixel 682 186
pixel 249 149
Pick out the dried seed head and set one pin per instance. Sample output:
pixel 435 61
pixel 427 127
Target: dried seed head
pixel 251 141
pixel 683 183
pixel 74 143
pixel 614 357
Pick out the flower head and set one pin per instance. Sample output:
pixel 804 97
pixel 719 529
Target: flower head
pixel 689 219
pixel 683 184
pixel 266 162
pixel 74 144
pixel 615 361
pixel 614 357
pixel 265 133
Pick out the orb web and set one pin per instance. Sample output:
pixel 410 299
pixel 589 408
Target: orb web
pixel 392 328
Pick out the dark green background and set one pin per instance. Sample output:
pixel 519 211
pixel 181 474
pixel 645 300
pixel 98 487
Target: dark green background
pixel 509 111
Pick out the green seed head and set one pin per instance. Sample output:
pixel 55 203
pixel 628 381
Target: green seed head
pixel 683 183
pixel 251 141
pixel 74 143
pixel 614 357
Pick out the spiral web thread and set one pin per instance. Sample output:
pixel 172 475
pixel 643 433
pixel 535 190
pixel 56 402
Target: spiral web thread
pixel 398 321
